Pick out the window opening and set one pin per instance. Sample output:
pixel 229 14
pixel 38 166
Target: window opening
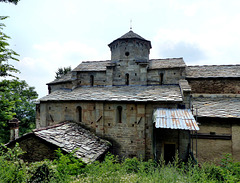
pixel 119 114
pixel 79 113
pixel 161 78
pixel 91 80
pixel 127 79
pixel 49 89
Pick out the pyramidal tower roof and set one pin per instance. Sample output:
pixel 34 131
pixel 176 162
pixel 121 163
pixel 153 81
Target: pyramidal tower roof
pixel 130 35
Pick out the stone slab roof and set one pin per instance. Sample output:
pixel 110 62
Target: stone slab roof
pixel 213 71
pixel 70 136
pixel 217 106
pixel 166 63
pixel 118 93
pixel 63 79
pixel 92 66
pixel 131 35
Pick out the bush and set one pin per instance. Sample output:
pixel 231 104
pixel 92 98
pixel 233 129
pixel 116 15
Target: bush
pixel 67 166
pixel 12 168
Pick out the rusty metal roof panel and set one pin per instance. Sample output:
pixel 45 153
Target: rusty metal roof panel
pixel 174 119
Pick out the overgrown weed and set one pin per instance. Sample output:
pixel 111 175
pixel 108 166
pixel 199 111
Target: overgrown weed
pixel 67 168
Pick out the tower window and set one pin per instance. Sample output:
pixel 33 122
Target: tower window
pixel 79 114
pixel 127 53
pixel 161 79
pixel 49 89
pixel 119 114
pixel 127 79
pixel 91 80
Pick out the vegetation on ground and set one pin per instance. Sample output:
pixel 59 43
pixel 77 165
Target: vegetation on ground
pixel 67 168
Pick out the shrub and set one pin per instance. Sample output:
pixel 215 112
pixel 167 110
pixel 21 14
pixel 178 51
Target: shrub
pixel 12 168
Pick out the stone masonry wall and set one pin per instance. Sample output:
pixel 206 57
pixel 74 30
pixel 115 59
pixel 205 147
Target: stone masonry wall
pixel 130 137
pixel 213 149
pixel 84 78
pixel 170 76
pixel 215 86
pixel 36 149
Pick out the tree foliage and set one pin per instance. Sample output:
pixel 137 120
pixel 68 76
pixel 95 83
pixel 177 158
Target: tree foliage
pixel 16 100
pixel 6 54
pixel 10 1
pixel 62 71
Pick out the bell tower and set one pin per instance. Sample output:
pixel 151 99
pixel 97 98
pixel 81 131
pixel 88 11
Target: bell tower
pixel 129 60
pixel 130 46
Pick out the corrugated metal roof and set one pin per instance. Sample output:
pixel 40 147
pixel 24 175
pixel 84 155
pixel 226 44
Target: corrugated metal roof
pixel 174 119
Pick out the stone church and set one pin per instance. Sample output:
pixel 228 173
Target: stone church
pixel 149 108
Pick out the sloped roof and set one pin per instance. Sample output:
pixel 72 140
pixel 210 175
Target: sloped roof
pixel 118 93
pixel 130 35
pixel 166 63
pixel 70 136
pixel 222 106
pixel 92 66
pixel 63 79
pixel 174 119
pixel 213 71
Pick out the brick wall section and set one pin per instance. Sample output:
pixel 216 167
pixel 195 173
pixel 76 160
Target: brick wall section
pixel 215 86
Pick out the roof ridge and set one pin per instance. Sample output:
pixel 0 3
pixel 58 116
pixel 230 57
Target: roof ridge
pixel 213 65
pixel 96 61
pixel 50 127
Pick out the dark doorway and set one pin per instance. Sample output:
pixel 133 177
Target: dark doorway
pixel 169 152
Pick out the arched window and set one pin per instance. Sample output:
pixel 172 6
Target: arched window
pixel 79 114
pixel 127 79
pixel 161 79
pixel 119 114
pixel 91 80
pixel 49 89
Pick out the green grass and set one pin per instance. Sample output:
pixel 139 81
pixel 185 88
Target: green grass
pixel 66 168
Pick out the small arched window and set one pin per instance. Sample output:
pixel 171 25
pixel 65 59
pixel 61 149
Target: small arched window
pixel 49 89
pixel 79 114
pixel 119 114
pixel 161 79
pixel 127 79
pixel 91 80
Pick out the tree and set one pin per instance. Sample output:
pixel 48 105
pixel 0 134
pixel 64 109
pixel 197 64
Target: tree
pixel 6 54
pixel 62 71
pixel 10 1
pixel 17 98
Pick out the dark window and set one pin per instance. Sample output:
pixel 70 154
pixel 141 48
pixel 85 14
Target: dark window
pixel 169 152
pixel 79 113
pixel 119 114
pixel 127 79
pixel 91 80
pixel 49 89
pixel 127 53
pixel 161 79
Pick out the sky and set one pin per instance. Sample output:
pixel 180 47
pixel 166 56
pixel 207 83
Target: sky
pixel 58 33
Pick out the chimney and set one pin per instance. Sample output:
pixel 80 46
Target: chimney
pixel 14 128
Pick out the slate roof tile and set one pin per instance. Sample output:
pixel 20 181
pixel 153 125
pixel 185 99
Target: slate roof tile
pixel 217 106
pixel 70 136
pixel 118 93
pixel 64 78
pixel 213 71
pixel 166 63
pixel 92 66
